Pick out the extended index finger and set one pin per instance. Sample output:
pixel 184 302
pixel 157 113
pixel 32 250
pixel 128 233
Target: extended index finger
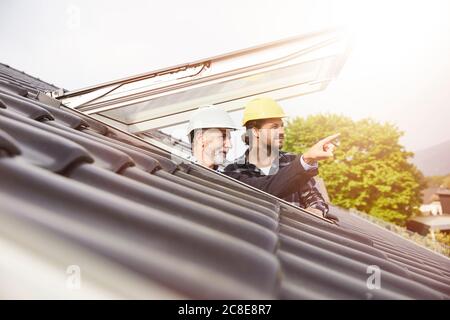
pixel 330 138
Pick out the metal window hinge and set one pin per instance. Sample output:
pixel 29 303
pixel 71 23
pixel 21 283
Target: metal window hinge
pixel 49 99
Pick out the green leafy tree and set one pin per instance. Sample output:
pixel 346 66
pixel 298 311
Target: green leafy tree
pixel 438 181
pixel 370 171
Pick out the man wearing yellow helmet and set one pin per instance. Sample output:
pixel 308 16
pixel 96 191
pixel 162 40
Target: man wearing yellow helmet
pixel 265 135
pixel 209 133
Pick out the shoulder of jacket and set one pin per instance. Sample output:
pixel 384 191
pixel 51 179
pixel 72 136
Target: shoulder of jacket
pixel 288 155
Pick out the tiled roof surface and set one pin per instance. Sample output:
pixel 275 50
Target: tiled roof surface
pixel 77 192
pixel 10 75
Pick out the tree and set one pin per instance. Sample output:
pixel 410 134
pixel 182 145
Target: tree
pixel 438 181
pixel 370 171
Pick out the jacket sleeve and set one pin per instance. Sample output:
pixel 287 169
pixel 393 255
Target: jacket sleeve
pixel 310 196
pixel 287 180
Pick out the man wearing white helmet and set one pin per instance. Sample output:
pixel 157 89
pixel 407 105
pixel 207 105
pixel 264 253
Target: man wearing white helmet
pixel 209 134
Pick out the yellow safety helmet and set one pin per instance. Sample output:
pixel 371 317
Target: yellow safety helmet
pixel 262 108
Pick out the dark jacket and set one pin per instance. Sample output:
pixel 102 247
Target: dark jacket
pixel 287 179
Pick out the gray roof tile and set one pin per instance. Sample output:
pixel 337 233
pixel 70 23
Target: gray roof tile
pixel 78 183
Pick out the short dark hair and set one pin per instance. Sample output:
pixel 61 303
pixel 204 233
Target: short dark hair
pixel 254 124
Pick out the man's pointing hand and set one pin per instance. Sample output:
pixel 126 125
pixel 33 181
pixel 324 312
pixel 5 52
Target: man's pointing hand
pixel 321 150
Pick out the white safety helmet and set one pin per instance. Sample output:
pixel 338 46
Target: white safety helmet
pixel 210 116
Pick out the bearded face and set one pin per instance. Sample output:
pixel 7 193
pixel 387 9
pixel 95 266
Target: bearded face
pixel 216 144
pixel 270 135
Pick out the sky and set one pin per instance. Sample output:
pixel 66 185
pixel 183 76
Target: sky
pixel 398 71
